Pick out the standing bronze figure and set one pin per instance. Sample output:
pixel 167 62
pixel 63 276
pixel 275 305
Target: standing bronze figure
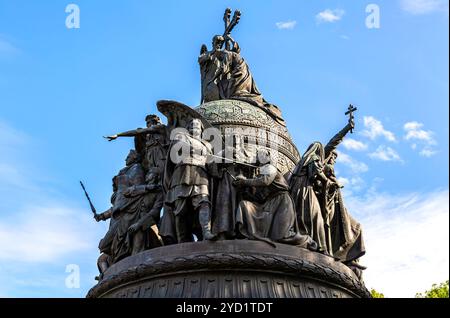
pixel 188 184
pixel 226 75
pixel 218 203
pixel 150 142
pixel 305 183
pixel 105 245
pixel 346 233
pixel 130 207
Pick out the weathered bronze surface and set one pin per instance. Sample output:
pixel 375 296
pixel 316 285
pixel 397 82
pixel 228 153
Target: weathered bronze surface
pixel 226 75
pixel 218 202
pixel 237 119
pixel 229 269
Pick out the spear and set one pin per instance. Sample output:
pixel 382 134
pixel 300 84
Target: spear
pixel 89 199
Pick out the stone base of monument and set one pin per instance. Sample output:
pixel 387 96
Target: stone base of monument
pixel 229 269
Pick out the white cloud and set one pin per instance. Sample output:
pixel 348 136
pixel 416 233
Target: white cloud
pixel 344 181
pixel 352 144
pixel 414 132
pixel 345 37
pixel 419 7
pixel 355 166
pixel 412 125
pixel 417 135
pixel 407 240
pixel 40 232
pixel 286 25
pixel 426 152
pixel 10 173
pixel 353 184
pixel 12 176
pixel 44 233
pixel 374 129
pixel 330 16
pixel 35 226
pixel 385 153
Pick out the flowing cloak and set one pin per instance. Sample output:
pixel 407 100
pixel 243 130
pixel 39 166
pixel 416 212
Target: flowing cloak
pixel 309 214
pixel 156 147
pixel 105 243
pixel 226 75
pixel 225 199
pixel 189 177
pixel 346 232
pixel 183 180
pixel 127 211
pixel 152 201
pixel 270 215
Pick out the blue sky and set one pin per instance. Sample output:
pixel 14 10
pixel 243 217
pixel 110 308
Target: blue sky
pixel 62 89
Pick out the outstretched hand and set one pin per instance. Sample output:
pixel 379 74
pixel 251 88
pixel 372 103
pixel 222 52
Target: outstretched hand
pixel 111 138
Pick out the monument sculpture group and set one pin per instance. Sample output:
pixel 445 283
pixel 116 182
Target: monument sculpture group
pixel 218 202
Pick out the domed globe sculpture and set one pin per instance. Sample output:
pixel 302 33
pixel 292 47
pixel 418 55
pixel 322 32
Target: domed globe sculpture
pixel 218 202
pixel 235 117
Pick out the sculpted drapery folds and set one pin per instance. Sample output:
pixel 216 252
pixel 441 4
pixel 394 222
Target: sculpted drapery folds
pixel 187 182
pixel 346 235
pixel 152 199
pixel 226 75
pixel 267 213
pixel 210 203
pixel 319 203
pixel 105 260
pixel 150 142
pixel 131 210
pixel 305 183
pixel 225 196
pixel 234 198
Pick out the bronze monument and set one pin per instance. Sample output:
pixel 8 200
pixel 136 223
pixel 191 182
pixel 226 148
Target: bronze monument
pixel 219 203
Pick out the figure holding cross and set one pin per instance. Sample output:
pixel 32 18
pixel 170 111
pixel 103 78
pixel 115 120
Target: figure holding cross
pixel 350 111
pixel 226 75
pixel 330 148
pixel 344 233
pixel 323 212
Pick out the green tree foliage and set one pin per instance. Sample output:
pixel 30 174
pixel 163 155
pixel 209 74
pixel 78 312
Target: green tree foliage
pixel 376 294
pixel 436 291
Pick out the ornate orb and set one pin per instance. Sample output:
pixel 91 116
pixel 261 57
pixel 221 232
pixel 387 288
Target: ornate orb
pixel 254 128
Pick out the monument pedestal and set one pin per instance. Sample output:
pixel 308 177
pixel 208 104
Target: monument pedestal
pixel 229 269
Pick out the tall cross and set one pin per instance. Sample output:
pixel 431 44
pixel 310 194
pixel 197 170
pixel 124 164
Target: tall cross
pixel 226 17
pixel 229 25
pixel 350 111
